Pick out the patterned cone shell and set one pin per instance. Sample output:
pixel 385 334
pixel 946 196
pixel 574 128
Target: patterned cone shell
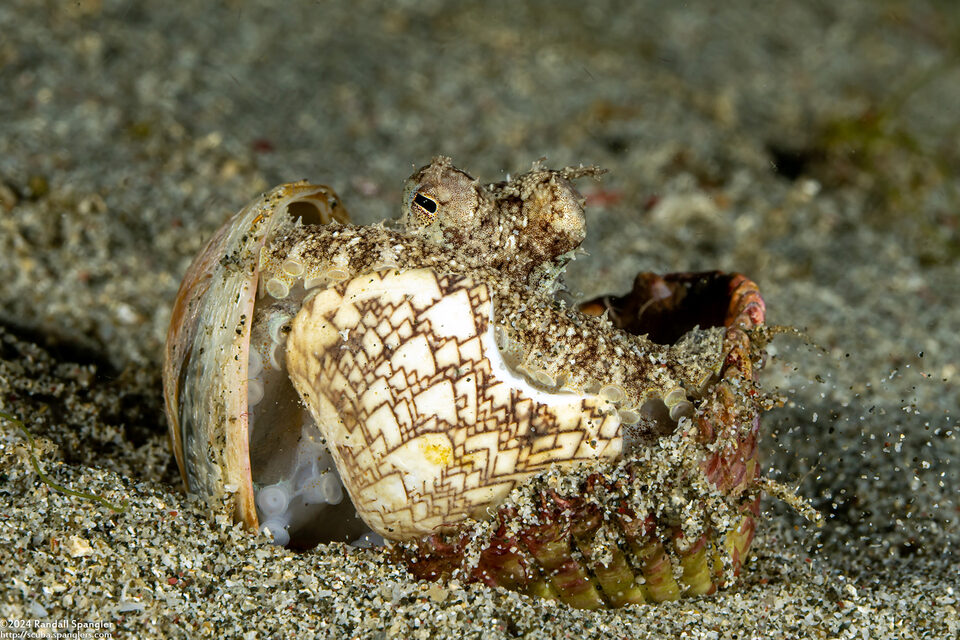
pixel 429 427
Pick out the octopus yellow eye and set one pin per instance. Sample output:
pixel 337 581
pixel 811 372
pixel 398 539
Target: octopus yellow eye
pixel 425 205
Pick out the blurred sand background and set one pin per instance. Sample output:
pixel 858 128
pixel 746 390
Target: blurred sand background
pixel 810 145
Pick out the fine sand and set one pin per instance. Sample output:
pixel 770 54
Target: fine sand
pixel 810 145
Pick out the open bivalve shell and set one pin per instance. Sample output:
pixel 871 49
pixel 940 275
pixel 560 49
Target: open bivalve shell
pixel 418 381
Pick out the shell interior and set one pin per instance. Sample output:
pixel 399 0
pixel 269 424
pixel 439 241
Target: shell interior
pixel 299 493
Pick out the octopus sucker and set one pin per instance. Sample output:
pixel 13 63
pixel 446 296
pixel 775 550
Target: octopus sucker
pixel 417 382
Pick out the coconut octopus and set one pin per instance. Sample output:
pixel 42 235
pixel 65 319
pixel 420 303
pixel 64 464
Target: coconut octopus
pixel 603 455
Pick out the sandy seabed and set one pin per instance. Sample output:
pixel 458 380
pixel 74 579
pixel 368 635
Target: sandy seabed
pixel 811 146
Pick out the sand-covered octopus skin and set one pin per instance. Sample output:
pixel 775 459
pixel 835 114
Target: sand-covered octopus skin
pixel 512 227
pixel 425 367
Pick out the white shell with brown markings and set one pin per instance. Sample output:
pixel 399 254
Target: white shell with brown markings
pixel 424 418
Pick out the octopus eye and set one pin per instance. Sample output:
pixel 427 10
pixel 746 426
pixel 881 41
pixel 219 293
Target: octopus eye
pixel 427 205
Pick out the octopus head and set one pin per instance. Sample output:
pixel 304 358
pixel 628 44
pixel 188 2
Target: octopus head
pixel 441 197
pixel 515 226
